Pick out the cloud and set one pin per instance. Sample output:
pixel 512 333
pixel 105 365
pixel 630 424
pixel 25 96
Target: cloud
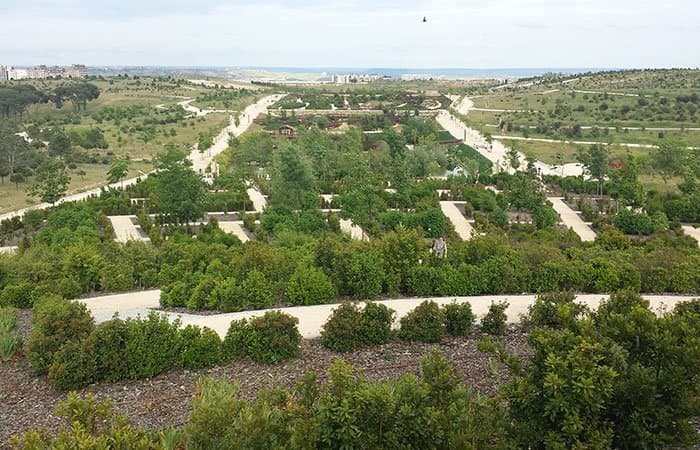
pixel 346 33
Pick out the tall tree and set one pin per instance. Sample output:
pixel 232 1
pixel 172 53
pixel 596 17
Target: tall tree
pixel 292 177
pixel 669 158
pixel 118 170
pixel 50 183
pixel 179 191
pixel 595 161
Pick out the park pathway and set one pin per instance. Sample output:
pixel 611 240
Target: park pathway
pixel 463 228
pixel 571 219
pixel 496 151
pixel 124 229
pixel 312 318
pixel 692 232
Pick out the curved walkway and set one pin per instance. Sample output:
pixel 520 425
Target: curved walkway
pixel 312 318
pixel 496 151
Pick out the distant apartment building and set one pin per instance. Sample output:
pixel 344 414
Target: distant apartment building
pixel 354 78
pixel 77 71
pixel 14 73
pixel 43 71
pixel 4 74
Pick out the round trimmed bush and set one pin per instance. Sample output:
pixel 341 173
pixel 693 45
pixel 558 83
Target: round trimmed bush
pixel 200 347
pixel 424 323
pixel 342 331
pixel 459 318
pixel 495 320
pixel 376 323
pixel 17 295
pixel 72 367
pixel 310 286
pixel 56 322
pixel 270 338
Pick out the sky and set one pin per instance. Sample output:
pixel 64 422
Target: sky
pixel 352 33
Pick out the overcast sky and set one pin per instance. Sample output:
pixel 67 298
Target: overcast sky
pixel 353 33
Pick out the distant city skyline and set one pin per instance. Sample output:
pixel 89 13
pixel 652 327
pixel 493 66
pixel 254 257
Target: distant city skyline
pixel 352 33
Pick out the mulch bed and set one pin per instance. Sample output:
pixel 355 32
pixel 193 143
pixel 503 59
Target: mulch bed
pixel 28 402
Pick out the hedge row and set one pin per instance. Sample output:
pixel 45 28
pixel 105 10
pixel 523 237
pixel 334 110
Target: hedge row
pixel 66 344
pixel 349 328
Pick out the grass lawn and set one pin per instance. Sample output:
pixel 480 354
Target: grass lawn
pixel 15 197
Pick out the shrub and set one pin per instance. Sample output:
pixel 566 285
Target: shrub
pixel 270 338
pixel 494 322
pixel 199 347
pixel 376 323
pixel 9 342
pixel 17 295
pixel 227 296
pixel 310 286
pixel 151 345
pixel 342 331
pixel 92 425
pixel 56 322
pixel 108 343
pixel 349 328
pixel 72 367
pixel 554 310
pixel 459 318
pixel 256 290
pixel 8 319
pixel 424 323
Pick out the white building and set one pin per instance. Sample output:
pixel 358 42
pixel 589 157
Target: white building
pixel 17 74
pixel 354 78
pixel 4 74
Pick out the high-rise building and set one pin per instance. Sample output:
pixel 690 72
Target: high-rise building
pixel 4 74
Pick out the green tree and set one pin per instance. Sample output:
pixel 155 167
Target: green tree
pixel 51 182
pixel 595 161
pixel 118 170
pixel 179 191
pixel 669 159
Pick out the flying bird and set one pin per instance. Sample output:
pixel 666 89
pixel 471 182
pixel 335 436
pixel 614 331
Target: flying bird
pixel 424 19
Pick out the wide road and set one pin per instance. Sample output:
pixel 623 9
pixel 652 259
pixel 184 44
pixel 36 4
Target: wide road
pixel 312 318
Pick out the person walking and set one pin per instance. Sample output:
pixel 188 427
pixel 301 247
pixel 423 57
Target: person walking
pixel 440 248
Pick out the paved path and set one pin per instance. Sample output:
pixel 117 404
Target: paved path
pixel 258 199
pixel 692 232
pixel 235 228
pixel 8 250
pixel 571 219
pixel 496 152
pixel 312 318
pixel 186 105
pixel 463 228
pixel 560 141
pixel 124 229
pixel 355 231
pixel 202 160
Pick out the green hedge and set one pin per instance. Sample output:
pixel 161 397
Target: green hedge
pixel 349 328
pixel 270 338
